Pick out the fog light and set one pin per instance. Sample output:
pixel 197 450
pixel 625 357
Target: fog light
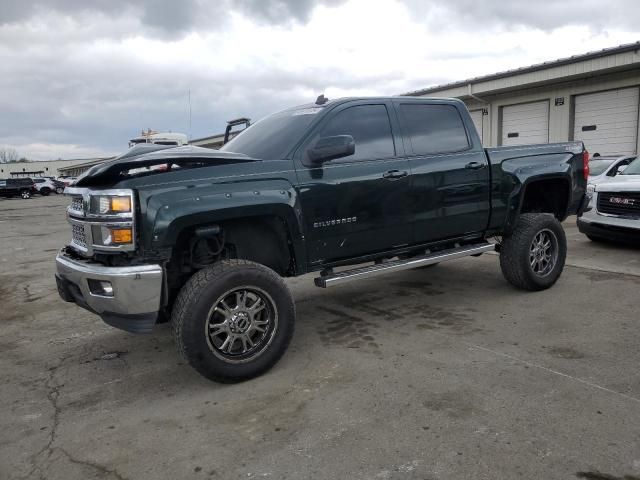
pixel 112 236
pixel 100 287
pixel 121 235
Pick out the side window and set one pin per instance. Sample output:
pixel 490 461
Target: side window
pixel 433 128
pixel 370 128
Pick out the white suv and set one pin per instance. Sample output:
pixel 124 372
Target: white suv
pixel 45 186
pixel 613 212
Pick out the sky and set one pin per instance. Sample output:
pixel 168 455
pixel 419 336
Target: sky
pixel 79 78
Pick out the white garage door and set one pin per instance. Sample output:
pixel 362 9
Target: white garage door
pixel 607 122
pixel 525 123
pixel 477 117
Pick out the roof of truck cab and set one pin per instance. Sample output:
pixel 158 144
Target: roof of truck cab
pixel 401 98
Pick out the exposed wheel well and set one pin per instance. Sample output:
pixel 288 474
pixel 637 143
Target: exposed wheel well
pixel 260 239
pixel 263 240
pixel 547 196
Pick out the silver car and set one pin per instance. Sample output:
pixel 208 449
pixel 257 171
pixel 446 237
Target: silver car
pixel 613 212
pixel 603 168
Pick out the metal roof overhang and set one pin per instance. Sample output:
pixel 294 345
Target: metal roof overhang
pixel 612 60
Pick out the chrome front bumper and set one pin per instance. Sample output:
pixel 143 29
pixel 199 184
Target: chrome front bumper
pixel 592 222
pixel 134 302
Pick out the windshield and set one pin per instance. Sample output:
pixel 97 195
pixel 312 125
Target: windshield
pixel 597 167
pixel 632 169
pixel 273 137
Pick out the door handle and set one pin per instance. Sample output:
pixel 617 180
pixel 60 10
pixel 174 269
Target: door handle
pixel 395 174
pixel 474 165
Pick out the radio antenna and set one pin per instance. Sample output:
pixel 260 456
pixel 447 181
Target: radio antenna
pixel 189 114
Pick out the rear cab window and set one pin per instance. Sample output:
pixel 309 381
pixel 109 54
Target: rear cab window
pixel 433 129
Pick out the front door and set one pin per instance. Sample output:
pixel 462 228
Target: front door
pixel 450 172
pixel 359 204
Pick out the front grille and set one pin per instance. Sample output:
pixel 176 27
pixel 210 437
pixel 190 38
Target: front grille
pixel 76 203
pixel 78 236
pixel 623 204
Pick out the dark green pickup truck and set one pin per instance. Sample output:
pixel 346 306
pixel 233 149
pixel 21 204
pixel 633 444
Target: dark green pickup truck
pixel 203 238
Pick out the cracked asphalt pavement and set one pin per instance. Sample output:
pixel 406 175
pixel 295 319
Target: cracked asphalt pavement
pixel 439 373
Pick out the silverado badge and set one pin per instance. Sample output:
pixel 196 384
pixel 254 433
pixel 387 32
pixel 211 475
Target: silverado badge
pixel 335 221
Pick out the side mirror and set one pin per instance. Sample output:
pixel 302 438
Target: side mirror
pixel 621 169
pixel 330 148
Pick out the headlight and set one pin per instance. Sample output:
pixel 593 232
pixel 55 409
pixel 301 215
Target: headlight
pixel 112 235
pixel 110 204
pixel 591 188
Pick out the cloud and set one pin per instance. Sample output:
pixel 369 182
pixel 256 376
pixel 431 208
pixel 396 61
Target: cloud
pixel 166 18
pixel 181 17
pixel 541 14
pixel 81 79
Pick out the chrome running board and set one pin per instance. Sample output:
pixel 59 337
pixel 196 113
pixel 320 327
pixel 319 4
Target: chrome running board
pixel 368 271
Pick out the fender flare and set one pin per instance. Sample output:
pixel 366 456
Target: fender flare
pixel 516 199
pixel 171 213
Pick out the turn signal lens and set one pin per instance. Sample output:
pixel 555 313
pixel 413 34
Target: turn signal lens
pixel 121 235
pixel 120 204
pixel 585 164
pixel 110 205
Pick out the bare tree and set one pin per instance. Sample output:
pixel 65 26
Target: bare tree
pixel 8 155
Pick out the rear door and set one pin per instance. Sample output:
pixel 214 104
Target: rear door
pixel 12 186
pixel 450 174
pixel 356 205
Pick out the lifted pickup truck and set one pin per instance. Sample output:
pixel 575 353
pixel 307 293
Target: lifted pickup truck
pixel 371 185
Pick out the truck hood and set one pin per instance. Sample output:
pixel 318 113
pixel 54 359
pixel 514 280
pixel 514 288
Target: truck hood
pixel 620 183
pixel 140 160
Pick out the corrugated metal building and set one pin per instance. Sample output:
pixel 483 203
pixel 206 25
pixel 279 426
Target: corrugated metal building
pixel 48 168
pixel 592 97
pixel 214 141
pixel 77 169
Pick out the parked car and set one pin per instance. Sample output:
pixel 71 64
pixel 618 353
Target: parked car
pixel 66 180
pixel 59 186
pixel 603 168
pixel 613 212
pixel 12 187
pixel 398 183
pixel 45 186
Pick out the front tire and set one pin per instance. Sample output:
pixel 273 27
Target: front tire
pixel 533 256
pixel 44 191
pixel 59 190
pixel 233 320
pixel 25 194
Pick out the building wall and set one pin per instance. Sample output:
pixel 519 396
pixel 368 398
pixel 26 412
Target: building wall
pixel 560 117
pixel 50 168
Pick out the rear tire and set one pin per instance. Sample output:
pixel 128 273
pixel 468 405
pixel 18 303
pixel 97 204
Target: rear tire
pixel 25 194
pixel 532 257
pixel 59 190
pixel 44 191
pixel 233 320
